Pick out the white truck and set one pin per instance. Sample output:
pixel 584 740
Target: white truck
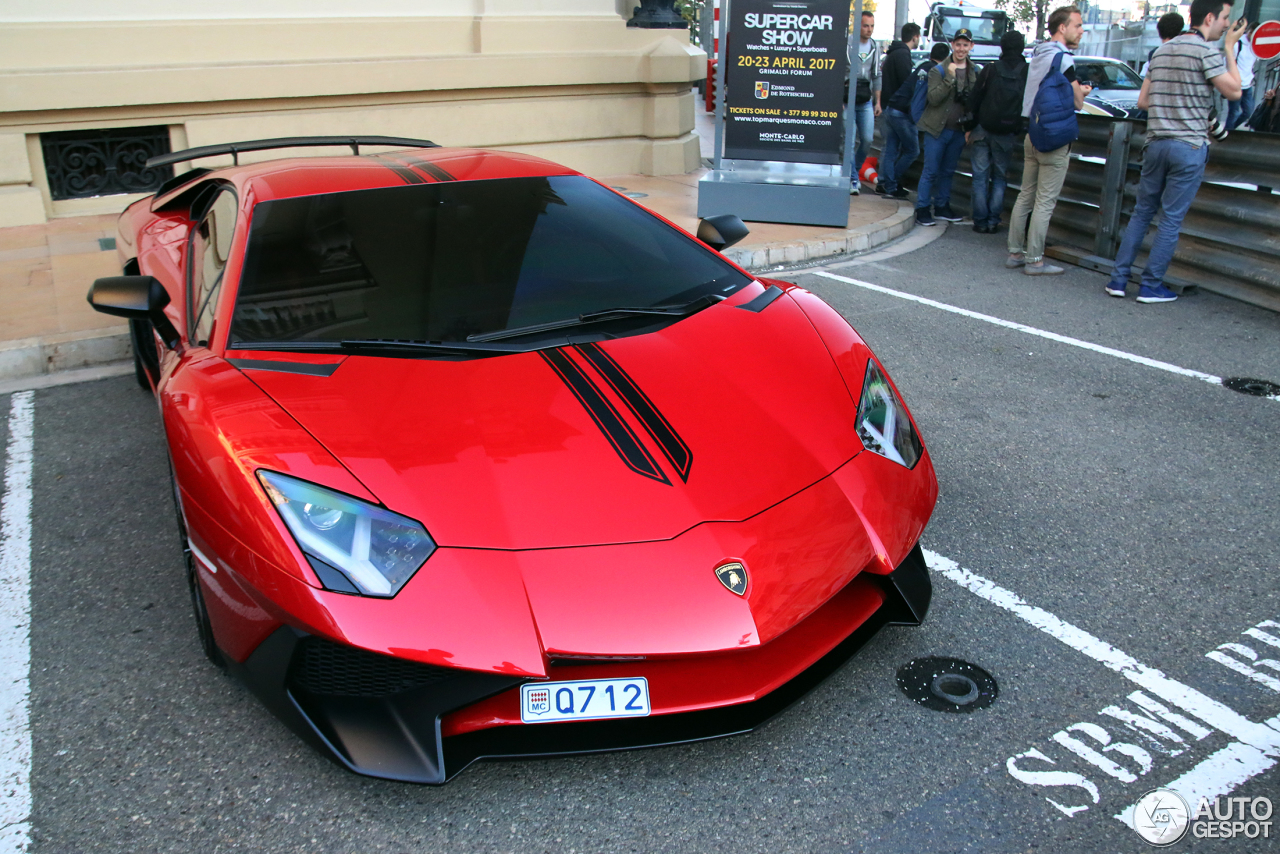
pixel 987 26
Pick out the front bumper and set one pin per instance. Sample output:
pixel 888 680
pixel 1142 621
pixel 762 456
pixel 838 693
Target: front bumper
pixel 400 720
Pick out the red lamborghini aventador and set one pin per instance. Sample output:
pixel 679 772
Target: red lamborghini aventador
pixel 475 457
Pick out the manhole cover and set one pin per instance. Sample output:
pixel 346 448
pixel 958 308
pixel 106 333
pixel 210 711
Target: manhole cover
pixel 947 684
pixel 1247 385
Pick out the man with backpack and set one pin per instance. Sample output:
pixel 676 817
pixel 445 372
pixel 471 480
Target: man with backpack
pixel 906 106
pixel 901 141
pixel 997 109
pixel 1178 95
pixel 1049 104
pixel 950 87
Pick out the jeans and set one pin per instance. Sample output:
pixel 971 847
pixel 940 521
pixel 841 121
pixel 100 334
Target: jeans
pixel 1171 173
pixel 864 116
pixel 1239 112
pixel 941 156
pixel 989 154
pixel 901 145
pixel 1042 175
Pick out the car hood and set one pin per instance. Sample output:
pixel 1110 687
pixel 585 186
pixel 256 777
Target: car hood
pixel 714 418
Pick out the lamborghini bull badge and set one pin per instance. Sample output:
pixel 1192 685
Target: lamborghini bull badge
pixel 734 577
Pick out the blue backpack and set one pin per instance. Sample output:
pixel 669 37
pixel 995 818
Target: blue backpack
pixel 1052 123
pixel 920 96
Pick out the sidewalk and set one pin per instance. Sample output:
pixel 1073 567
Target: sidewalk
pixel 46 270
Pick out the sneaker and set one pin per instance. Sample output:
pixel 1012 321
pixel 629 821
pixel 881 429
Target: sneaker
pixel 1115 290
pixel 945 212
pixel 1042 269
pixel 880 190
pixel 924 217
pixel 855 189
pixel 901 194
pixel 1014 261
pixel 980 228
pixel 1157 294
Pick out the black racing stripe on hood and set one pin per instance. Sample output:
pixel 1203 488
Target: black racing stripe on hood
pixel 602 412
pixel 428 167
pixel 406 174
pixel 655 424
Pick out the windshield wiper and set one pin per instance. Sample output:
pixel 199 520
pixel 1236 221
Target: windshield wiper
pixel 599 316
pixel 458 347
pixel 392 344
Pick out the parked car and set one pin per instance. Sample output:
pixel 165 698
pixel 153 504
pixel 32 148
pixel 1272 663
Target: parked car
pixel 474 456
pixel 1115 87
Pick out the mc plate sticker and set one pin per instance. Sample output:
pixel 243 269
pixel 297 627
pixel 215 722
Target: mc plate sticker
pixel 593 699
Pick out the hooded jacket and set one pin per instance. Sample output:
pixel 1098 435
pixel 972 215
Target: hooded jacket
pixel 1012 66
pixel 895 71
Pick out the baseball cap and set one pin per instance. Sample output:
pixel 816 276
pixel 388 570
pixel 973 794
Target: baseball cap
pixel 963 33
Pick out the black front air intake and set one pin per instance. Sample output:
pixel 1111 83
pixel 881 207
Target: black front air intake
pixel 328 669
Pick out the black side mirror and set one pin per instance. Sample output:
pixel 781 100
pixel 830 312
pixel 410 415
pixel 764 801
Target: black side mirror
pixel 137 298
pixel 721 232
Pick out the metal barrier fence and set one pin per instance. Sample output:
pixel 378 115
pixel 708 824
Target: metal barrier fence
pixel 1230 240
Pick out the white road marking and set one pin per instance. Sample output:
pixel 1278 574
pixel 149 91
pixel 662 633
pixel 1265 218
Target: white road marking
pixel 1256 744
pixel 15 629
pixel 1031 330
pixel 1220 773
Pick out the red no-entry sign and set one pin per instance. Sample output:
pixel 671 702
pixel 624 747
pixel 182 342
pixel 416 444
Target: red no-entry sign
pixel 1266 41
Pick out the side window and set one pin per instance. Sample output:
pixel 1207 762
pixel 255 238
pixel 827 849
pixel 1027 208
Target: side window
pixel 210 248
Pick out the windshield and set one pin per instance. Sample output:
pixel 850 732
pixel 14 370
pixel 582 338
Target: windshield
pixel 441 261
pixel 1107 75
pixel 985 30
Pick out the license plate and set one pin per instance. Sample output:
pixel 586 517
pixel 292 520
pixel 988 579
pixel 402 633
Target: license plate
pixel 591 699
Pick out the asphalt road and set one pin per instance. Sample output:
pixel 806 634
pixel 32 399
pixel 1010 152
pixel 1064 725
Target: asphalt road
pixel 1131 504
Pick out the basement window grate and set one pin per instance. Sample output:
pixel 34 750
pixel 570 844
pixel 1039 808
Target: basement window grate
pixel 81 164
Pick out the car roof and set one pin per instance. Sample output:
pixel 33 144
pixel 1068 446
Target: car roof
pixel 308 176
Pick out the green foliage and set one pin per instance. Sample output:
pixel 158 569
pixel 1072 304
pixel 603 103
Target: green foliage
pixel 1028 12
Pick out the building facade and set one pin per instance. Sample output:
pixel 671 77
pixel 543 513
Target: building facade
pixel 88 89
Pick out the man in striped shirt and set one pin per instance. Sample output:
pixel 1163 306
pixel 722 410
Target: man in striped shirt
pixel 1178 98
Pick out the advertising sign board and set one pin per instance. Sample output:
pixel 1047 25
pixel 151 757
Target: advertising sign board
pixel 785 79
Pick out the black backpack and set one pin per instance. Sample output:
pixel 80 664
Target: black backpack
pixel 1001 108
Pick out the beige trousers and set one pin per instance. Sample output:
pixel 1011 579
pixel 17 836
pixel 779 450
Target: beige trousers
pixel 1042 175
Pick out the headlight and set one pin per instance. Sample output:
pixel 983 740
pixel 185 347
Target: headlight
pixel 354 546
pixel 883 424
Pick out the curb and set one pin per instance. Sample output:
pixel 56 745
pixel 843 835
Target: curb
pixel 34 357
pixel 29 358
pixel 853 240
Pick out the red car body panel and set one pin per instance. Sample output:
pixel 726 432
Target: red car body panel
pixel 514 441
pixel 549 548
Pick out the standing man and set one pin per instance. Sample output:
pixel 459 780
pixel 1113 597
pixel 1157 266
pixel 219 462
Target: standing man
pixel 1044 171
pixel 1178 97
pixel 901 140
pixel 1167 27
pixel 950 88
pixel 866 94
pixel 1238 112
pixel 997 109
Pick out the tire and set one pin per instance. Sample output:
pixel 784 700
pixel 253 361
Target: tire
pixel 139 372
pixel 146 361
pixel 204 627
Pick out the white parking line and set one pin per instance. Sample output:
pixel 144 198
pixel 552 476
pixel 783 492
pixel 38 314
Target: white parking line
pixel 1031 330
pixel 15 629
pixel 1256 745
